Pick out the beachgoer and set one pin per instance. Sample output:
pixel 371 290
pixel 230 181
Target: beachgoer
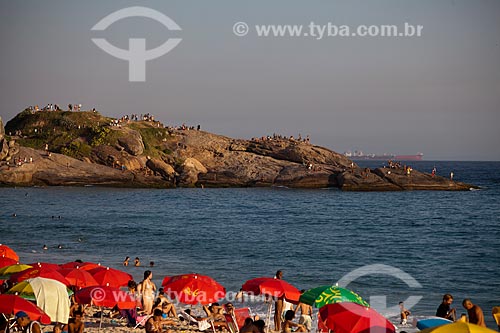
pixel 260 324
pixel 404 313
pixel 164 303
pixel 249 327
pixel 153 324
pixel 463 318
pixel 305 314
pixel 278 305
pixel 75 307
pixel 495 312
pixel 125 262
pixel 24 321
pixel 451 175
pixel 151 264
pixel 444 310
pixel 76 325
pixel 289 324
pixel 137 262
pixel 147 290
pixel 475 313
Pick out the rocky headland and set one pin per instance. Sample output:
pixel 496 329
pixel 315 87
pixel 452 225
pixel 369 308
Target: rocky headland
pixel 63 148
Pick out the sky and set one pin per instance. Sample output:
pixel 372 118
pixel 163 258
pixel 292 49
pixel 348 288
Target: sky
pixel 438 93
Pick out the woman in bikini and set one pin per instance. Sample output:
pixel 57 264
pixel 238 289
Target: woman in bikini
pixel 147 290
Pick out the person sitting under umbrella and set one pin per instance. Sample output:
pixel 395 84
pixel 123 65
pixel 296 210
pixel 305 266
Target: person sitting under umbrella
pixel 25 323
pixel 289 324
pixel 76 325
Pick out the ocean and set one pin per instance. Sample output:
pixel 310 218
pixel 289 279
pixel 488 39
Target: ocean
pixel 446 242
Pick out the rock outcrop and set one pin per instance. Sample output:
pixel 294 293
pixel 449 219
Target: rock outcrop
pixel 86 150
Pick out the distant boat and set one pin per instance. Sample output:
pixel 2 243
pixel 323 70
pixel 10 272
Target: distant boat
pixel 416 157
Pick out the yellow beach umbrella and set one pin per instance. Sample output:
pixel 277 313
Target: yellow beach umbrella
pixel 458 327
pixel 7 271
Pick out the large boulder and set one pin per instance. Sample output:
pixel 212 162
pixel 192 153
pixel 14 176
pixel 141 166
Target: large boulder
pixel 132 143
pixel 190 170
pixel 166 171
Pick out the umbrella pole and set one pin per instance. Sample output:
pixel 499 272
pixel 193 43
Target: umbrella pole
pixel 269 311
pixel 100 322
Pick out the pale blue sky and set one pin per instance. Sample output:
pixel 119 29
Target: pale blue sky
pixel 438 94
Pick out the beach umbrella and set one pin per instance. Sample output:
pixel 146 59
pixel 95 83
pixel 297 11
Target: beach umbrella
pixel 458 327
pixel 354 318
pixel 6 251
pixel 11 304
pixel 50 295
pixel 105 296
pixel 85 266
pixel 6 261
pixel 78 278
pixel 7 271
pixel 272 287
pixel 193 289
pixel 431 322
pixel 46 265
pixel 106 276
pixel 38 272
pixel 321 296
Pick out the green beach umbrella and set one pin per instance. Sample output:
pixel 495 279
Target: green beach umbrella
pixel 321 296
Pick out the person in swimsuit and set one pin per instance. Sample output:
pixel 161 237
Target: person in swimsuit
pixel 289 324
pixel 147 290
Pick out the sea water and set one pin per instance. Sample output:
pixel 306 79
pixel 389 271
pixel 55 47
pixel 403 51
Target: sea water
pixel 448 242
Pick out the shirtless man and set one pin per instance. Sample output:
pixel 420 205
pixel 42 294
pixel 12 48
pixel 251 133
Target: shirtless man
pixel 475 313
pixel 76 325
pixel 278 306
pixel 305 314
pixel 404 313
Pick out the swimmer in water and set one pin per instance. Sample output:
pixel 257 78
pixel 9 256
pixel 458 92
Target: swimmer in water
pixel 45 247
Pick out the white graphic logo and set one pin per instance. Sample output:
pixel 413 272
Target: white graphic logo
pixel 136 55
pixel 379 303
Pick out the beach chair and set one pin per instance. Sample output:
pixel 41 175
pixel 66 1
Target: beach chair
pixel 202 325
pixel 141 320
pixel 236 322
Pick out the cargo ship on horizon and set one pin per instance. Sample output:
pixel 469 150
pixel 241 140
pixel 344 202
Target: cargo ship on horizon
pixel 360 156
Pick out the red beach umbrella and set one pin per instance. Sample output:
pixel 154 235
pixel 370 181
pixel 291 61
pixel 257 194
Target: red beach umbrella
pixel 193 289
pixel 78 278
pixel 107 297
pixel 80 265
pixel 106 276
pixel 6 251
pixel 38 272
pixel 354 318
pixel 10 304
pixel 46 265
pixel 6 261
pixel 272 287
